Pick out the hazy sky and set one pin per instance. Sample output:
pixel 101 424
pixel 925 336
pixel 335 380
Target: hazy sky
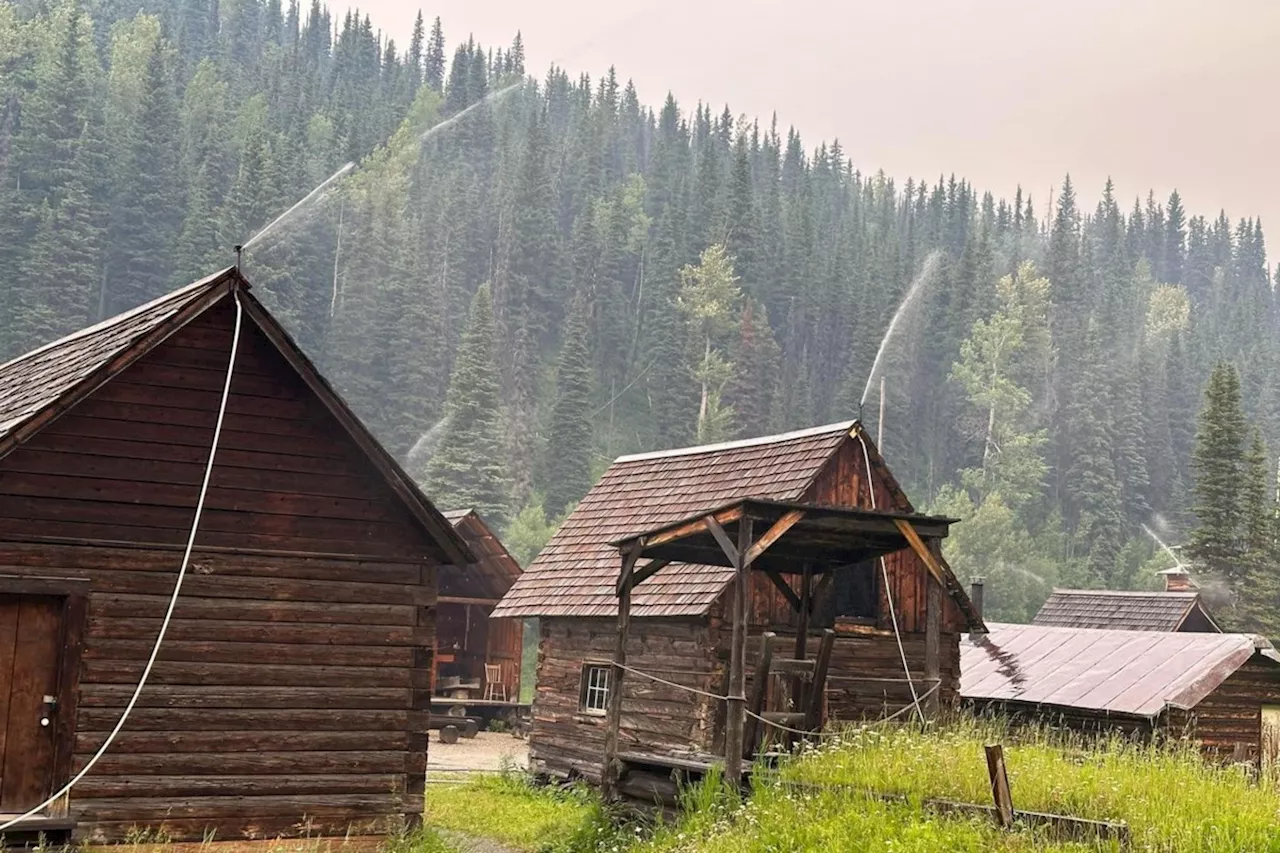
pixel 1154 93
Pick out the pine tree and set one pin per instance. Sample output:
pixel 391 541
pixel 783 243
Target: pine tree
pixel 756 363
pixel 569 444
pixel 433 65
pixel 468 468
pixel 1218 465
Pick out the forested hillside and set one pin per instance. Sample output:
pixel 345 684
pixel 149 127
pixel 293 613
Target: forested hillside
pixel 561 273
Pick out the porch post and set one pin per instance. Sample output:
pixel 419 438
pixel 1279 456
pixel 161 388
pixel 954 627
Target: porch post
pixel 610 773
pixel 933 637
pixel 738 657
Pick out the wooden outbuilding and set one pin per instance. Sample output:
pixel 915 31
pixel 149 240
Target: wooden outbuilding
pixel 291 692
pixel 812 513
pixel 467 640
pixel 1179 608
pixel 1223 690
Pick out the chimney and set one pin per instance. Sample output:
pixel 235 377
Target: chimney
pixel 1178 579
pixel 975 595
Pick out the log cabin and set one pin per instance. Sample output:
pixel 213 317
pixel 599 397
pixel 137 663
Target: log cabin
pixel 1220 690
pixel 1179 608
pixel 675 615
pixel 467 640
pixel 291 692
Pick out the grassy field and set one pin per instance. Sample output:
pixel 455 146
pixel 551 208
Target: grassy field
pixel 1171 800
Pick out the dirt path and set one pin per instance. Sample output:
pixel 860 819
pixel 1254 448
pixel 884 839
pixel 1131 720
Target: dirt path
pixel 487 752
pixel 464 843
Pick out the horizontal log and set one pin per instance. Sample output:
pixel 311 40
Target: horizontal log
pixel 199 584
pixel 241 763
pixel 116 605
pixel 215 651
pixel 91 719
pixel 247 741
pixel 247 674
pixel 172 696
pixel 146 809
pixel 96 786
pixel 263 632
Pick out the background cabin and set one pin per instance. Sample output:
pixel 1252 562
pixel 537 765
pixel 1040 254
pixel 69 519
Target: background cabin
pixel 1179 608
pixel 466 638
pixel 292 690
pixel 680 625
pixel 1223 690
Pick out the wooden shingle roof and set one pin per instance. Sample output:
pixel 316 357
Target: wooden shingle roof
pixel 41 385
pixel 1120 610
pixel 575 574
pixel 494 570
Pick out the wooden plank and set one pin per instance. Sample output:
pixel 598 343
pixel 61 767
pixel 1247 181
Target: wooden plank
pixel 735 715
pixel 186 696
pixel 932 643
pixel 689 528
pixel 462 599
pixel 75 621
pixel 795 667
pixel 200 673
pixel 819 689
pixel 918 546
pixel 102 719
pixel 9 606
pixel 612 770
pixel 246 763
pixel 773 534
pixel 647 571
pixel 759 692
pixel 262 632
pixel 214 651
pixel 722 538
pixel 95 786
pixel 178 741
pixel 784 588
pixel 999 785
pixel 110 605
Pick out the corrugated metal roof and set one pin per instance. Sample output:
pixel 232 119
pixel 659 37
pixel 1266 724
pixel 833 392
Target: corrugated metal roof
pixel 1128 611
pixel 575 574
pixel 1109 671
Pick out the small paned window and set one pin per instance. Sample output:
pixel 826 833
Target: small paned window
pixel 594 698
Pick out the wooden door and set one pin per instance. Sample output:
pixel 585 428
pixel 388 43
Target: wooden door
pixel 31 638
pixel 1271 739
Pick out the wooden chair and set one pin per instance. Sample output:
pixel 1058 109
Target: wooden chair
pixel 494 686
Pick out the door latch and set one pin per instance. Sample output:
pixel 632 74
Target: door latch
pixel 51 705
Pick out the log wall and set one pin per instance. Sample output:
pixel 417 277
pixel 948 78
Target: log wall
pixel 1228 722
pixel 655 718
pixel 291 692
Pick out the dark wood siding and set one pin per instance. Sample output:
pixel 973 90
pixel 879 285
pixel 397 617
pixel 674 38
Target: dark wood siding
pixel 1228 722
pixel 655 718
pixel 295 678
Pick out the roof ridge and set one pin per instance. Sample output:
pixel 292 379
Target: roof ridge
pixel 739 443
pixel 115 319
pixel 1130 592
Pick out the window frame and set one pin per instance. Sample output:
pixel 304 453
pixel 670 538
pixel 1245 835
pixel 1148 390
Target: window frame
pixel 589 687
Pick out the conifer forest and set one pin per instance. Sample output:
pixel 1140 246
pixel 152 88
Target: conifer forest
pixel 528 272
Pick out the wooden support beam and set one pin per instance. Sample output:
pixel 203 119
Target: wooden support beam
pixel 917 544
pixel 461 599
pixel 689 528
pixel 802 639
pixel 1000 785
pixel 787 592
pixel 773 534
pixel 738 659
pixel 819 690
pixel 933 637
pixel 759 691
pixel 726 544
pixel 609 776
pixel 645 572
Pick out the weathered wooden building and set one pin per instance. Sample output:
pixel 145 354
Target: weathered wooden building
pixel 681 610
pixel 292 690
pixel 1179 608
pixel 1220 689
pixel 466 638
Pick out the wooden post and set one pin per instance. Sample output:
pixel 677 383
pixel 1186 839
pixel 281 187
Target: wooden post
pixel 759 692
pixel 932 639
pixel 798 698
pixel 609 774
pixel 738 658
pixel 818 689
pixel 999 784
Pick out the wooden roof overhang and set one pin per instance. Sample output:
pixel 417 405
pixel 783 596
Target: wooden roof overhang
pixel 795 538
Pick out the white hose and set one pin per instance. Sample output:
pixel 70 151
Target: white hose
pixel 888 591
pixel 173 599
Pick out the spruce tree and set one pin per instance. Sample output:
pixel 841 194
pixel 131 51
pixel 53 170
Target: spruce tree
pixel 756 362
pixel 468 468
pixel 1218 466
pixel 568 464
